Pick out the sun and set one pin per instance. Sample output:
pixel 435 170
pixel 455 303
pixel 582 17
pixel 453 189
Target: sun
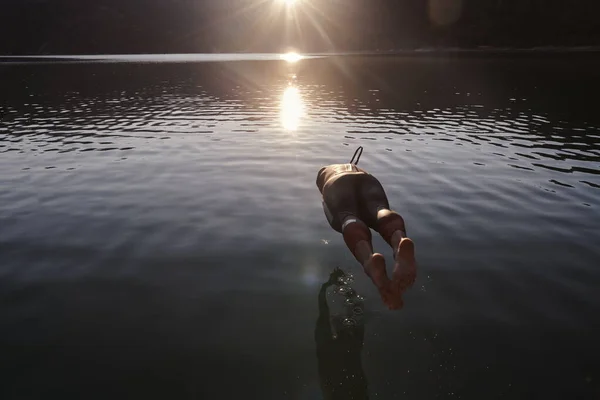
pixel 289 2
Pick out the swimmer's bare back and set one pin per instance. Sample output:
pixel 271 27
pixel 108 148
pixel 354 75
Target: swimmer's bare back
pixel 354 203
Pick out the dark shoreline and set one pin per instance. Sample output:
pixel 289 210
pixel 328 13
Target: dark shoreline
pixel 226 57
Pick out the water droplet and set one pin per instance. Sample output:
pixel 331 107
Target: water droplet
pixel 342 290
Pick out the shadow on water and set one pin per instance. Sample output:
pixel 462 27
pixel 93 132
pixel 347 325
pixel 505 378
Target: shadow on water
pixel 341 373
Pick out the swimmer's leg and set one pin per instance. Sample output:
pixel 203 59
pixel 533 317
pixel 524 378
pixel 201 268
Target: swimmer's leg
pixel 391 227
pixel 357 236
pixel 342 208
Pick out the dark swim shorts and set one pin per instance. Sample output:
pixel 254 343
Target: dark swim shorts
pixel 350 191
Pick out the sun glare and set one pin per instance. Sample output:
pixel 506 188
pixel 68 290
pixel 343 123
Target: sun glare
pixel 291 108
pixel 291 57
pixel 289 2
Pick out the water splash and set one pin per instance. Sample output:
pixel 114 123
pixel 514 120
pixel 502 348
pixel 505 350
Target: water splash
pixel 353 302
pixel 346 279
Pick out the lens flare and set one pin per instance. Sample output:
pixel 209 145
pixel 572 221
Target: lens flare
pixel 291 57
pixel 292 108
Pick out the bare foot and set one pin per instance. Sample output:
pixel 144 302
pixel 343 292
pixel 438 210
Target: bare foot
pixel 375 268
pixel 405 267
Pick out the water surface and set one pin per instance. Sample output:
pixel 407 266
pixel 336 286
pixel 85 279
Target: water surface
pixel 161 232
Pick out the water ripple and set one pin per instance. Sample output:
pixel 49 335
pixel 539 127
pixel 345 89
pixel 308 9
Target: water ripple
pixel 143 162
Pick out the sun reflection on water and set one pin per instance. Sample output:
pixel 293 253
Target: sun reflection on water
pixel 292 108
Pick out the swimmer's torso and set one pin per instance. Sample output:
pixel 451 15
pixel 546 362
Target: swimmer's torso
pixel 330 173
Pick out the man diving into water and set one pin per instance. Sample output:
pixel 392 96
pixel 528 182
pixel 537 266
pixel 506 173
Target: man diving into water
pixel 354 201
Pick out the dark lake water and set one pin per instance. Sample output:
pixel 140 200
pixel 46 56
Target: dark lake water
pixel 161 234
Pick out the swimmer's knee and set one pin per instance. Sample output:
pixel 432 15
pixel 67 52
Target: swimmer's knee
pixel 355 231
pixel 388 222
